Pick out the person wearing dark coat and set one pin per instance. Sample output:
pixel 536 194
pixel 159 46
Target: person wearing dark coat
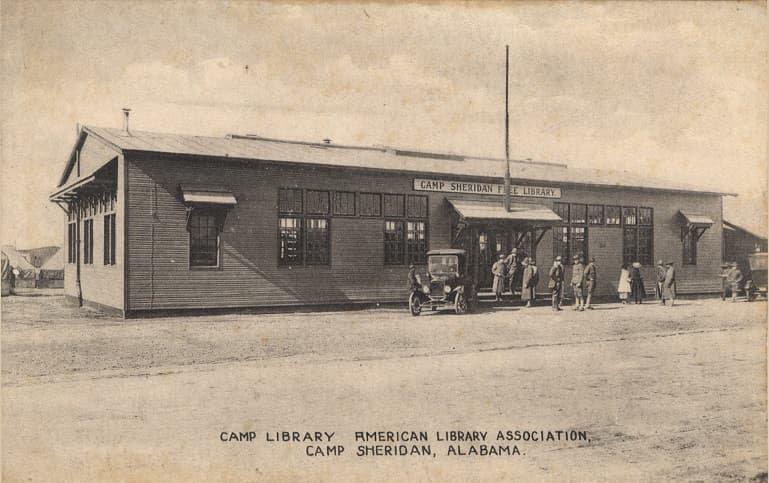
pixel 414 281
pixel 514 269
pixel 660 272
pixel 530 281
pixel 637 283
pixel 734 278
pixel 556 282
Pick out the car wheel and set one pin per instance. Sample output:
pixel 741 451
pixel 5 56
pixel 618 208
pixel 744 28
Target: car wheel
pixel 460 305
pixel 415 304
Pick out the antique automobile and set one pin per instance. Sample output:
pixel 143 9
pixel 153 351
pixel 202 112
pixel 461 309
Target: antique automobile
pixel 755 283
pixel 447 286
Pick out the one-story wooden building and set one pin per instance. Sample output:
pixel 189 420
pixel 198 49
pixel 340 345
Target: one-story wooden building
pixel 165 222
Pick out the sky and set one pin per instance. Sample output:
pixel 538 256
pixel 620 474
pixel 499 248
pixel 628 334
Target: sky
pixel 662 89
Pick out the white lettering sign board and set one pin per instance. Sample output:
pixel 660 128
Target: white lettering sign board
pixel 471 187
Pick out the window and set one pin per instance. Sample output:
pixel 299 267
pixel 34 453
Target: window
pixel 561 242
pixel 570 238
pixel 562 210
pixel 393 242
pixel 317 202
pixel 317 241
pixel 628 215
pixel 637 235
pixel 370 204
pixel 416 241
pixel 595 214
pixel 690 247
pixel 290 241
pixel 109 239
pixel 290 201
pixel 613 216
pixel 645 216
pixel 88 241
pixel 393 206
pixel 72 243
pixel 303 237
pixel 579 241
pixel 578 214
pixel 344 203
pixel 416 206
pixel 204 227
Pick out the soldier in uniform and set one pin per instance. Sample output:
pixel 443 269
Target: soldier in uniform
pixel 660 272
pixel 591 278
pixel 723 275
pixel 498 269
pixel 578 282
pixel 556 282
pixel 735 279
pixel 514 270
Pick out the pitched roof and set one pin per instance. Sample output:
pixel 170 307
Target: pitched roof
pixel 377 158
pixel 729 224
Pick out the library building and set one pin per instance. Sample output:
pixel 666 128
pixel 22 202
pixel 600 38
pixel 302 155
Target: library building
pixel 156 222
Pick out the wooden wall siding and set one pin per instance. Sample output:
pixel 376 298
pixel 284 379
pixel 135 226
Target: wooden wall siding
pixel 99 283
pixel 249 275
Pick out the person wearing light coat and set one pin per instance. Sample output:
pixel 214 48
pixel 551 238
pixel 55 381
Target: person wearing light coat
pixel 499 270
pixel 623 287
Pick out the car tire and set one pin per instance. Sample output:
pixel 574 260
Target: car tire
pixel 415 304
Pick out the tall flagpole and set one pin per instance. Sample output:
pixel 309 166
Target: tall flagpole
pixel 507 130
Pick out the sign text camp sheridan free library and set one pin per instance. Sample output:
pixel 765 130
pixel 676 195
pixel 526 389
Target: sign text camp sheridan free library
pixel 447 186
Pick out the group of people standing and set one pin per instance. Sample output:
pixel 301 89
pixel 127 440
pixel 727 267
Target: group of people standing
pixel 731 279
pixel 518 271
pixel 583 283
pixel 584 279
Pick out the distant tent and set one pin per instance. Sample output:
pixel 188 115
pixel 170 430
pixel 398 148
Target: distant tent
pixel 52 271
pixel 24 273
pixel 38 256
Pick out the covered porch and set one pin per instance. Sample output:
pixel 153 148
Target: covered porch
pixel 486 229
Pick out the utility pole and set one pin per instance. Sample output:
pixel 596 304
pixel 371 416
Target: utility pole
pixel 507 130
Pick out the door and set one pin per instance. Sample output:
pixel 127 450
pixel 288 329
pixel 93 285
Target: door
pixel 492 242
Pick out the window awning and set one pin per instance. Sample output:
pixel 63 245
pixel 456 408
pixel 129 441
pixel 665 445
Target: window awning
pixel 208 196
pixel 495 210
pixel 695 219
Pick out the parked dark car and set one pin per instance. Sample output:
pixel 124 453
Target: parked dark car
pixel 448 285
pixel 755 283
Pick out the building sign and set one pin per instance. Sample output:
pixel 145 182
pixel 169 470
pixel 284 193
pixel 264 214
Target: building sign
pixel 446 186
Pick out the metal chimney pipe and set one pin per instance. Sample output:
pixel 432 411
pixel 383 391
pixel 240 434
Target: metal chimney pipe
pixel 126 113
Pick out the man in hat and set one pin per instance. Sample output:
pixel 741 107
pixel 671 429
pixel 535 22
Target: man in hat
pixel 734 277
pixel 414 281
pixel 591 278
pixel 660 272
pixel 498 269
pixel 669 284
pixel 513 270
pixel 723 275
pixel 578 282
pixel 555 284
pixel 530 281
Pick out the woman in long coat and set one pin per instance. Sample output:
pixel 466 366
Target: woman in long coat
pixel 499 269
pixel 623 287
pixel 530 281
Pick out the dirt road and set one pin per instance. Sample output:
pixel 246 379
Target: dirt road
pixel 660 393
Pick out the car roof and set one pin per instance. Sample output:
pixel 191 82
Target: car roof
pixel 447 251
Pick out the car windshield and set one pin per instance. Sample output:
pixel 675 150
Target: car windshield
pixel 443 265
